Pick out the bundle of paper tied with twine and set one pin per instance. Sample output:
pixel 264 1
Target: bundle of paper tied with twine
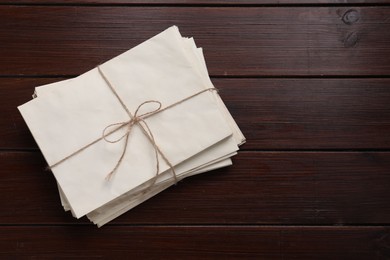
pixel 134 119
pixel 192 134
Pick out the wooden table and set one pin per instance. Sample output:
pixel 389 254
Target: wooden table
pixel 307 81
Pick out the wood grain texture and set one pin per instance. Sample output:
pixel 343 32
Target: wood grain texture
pixel 194 2
pixel 245 41
pixel 192 242
pixel 274 114
pixel 260 188
pixel 308 83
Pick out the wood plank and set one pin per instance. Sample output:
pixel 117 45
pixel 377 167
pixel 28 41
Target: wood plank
pixel 274 114
pixel 194 2
pixel 193 242
pixel 246 41
pixel 260 188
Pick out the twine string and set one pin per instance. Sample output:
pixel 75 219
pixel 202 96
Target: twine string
pixel 136 119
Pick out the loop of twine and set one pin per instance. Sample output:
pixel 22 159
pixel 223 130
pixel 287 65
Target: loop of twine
pixel 136 119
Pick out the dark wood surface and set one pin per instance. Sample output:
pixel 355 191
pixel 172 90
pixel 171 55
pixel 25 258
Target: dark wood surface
pixel 237 41
pixel 196 2
pixel 274 114
pixel 307 81
pixel 275 188
pixel 196 242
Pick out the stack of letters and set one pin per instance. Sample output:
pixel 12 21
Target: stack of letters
pixel 131 127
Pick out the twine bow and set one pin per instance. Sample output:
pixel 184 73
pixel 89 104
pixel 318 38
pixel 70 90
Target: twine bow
pixel 136 119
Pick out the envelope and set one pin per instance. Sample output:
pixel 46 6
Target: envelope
pixel 75 114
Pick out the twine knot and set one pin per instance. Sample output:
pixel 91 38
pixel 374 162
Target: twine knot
pixel 136 119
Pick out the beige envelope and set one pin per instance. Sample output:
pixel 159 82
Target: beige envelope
pixel 71 117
